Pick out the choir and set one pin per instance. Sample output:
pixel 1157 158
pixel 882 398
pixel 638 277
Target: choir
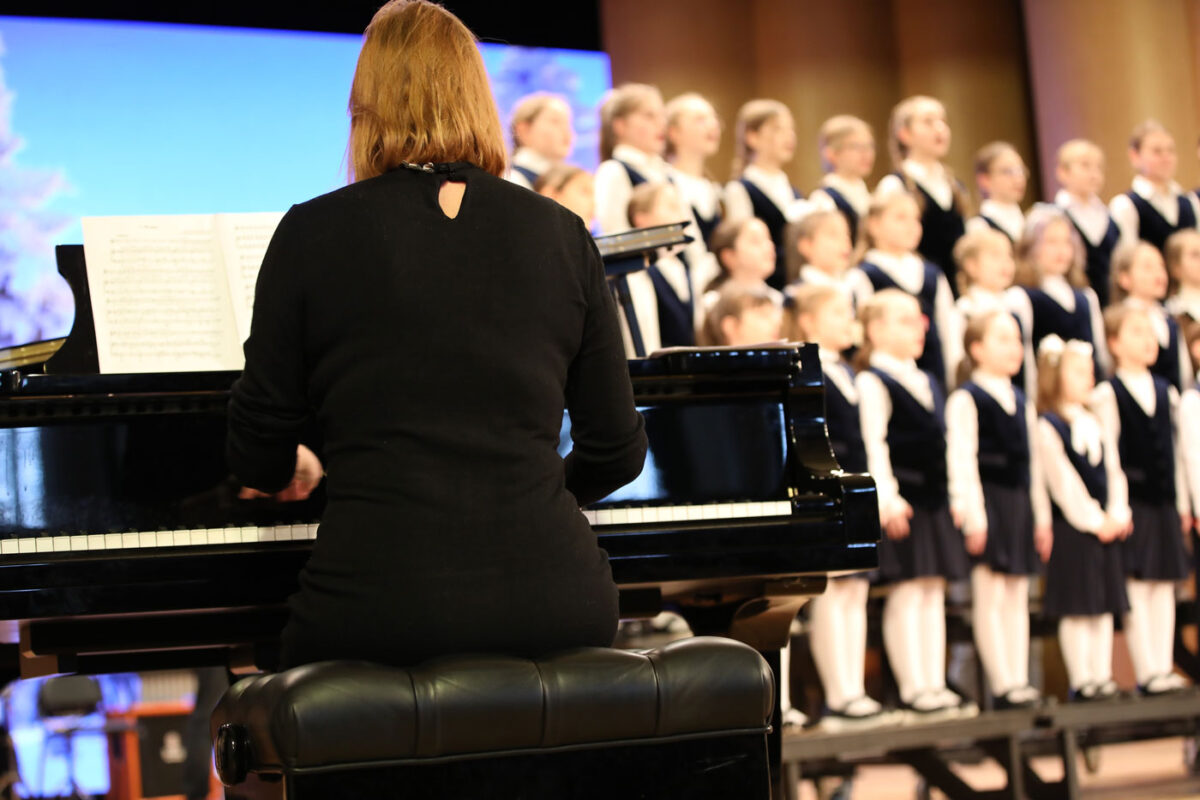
pixel 1023 386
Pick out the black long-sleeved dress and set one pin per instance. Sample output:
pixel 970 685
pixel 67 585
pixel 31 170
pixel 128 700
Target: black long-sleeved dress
pixel 435 357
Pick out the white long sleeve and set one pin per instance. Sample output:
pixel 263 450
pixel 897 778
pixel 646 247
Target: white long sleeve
pixel 948 321
pixel 1104 406
pixel 875 412
pixel 737 201
pixel 613 190
pixel 962 460
pixel 1063 483
pixel 1189 442
pixel 1099 339
pixel 1125 214
pixel 1017 300
pixel 1183 503
pixel 1038 496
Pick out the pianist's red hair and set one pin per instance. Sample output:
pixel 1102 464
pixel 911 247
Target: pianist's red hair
pixel 420 94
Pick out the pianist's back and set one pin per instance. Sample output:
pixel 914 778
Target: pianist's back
pixel 435 356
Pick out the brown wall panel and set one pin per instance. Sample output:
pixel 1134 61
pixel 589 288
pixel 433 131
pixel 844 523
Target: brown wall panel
pixel 1099 67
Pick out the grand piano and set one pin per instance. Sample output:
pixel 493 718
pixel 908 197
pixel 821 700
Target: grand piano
pixel 124 545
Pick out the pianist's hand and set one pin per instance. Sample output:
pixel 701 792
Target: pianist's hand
pixel 306 478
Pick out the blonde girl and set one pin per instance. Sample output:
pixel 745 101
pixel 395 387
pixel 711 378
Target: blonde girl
pixel 1054 296
pixel 1085 577
pixel 1139 279
pixel 918 141
pixel 571 187
pixel 1080 173
pixel 846 146
pixel 1155 205
pixel 742 314
pixel 632 137
pixel 765 142
pixel 1183 265
pixel 901 414
pixel 820 251
pixel 1001 177
pixel 1140 409
pixel 890 234
pixel 998 499
pixel 542 137
pixel 693 136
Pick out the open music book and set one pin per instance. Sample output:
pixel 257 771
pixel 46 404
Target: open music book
pixel 174 293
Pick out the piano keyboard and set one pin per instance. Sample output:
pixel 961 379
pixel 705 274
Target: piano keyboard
pixel 144 540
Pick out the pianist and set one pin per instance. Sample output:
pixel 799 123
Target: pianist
pixel 432 321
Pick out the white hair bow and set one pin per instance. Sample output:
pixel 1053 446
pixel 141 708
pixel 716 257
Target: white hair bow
pixel 1053 347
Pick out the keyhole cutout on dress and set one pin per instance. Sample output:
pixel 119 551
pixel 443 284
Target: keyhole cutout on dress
pixel 450 197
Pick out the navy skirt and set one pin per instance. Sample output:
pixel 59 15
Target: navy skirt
pixel 933 548
pixel 1084 577
pixel 1155 551
pixel 1010 548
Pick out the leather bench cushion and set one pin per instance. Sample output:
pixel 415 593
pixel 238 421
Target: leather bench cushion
pixel 344 712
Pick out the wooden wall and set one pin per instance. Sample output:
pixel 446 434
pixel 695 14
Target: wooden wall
pixel 1033 72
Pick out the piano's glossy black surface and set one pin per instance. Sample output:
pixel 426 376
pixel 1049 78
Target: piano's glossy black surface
pixel 737 434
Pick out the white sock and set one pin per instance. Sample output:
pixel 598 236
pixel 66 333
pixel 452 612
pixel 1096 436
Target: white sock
pixel 784 676
pixel 1138 629
pixel 828 635
pixel 933 632
pixel 1162 625
pixel 1016 628
pixel 1102 645
pixel 988 620
pixel 856 636
pixel 902 637
pixel 1077 641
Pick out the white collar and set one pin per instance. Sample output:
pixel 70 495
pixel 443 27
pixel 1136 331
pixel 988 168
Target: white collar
pixel 1143 187
pixel 1130 377
pixel 1185 301
pixel 893 263
pixel 651 166
pixel 1060 291
pixel 1008 216
pixel 531 160
pixel 855 191
pixel 1085 432
pixel 895 366
pixel 817 277
pixel 829 357
pixel 980 299
pixel 1064 199
pixel 999 387
pixel 920 172
pixel 761 177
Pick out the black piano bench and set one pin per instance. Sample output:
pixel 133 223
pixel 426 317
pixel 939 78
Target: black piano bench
pixel 688 720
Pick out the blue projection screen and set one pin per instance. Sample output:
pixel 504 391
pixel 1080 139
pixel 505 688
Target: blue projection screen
pixel 112 118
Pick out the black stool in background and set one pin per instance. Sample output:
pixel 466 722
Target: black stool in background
pixel 688 720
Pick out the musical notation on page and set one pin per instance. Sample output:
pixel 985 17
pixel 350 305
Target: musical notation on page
pixel 174 293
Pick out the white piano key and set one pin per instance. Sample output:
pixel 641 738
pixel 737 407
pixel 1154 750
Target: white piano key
pixel 147 539
pixel 650 514
pixel 26 545
pixel 266 534
pixel 249 534
pixel 620 516
pixel 131 541
pixel 42 544
pixel 97 541
pixel 725 511
pixel 80 542
pixel 112 541
pixel 709 511
pixel 694 512
pixel 312 530
pixel 164 538
pixel 604 516
pixel 636 515
pixel 181 538
pixel 741 510
pixel 756 509
pixel 679 513
pixel 783 508
pixel 8 547
pixel 60 544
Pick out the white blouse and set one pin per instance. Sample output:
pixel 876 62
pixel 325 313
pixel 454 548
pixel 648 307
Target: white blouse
pixel 855 191
pixel 962 453
pixel 1189 441
pixel 613 187
pixel 933 179
pixel 1140 384
pixel 775 185
pixel 1065 486
pixel 1008 216
pixel 1091 216
pixel 875 412
pixel 1165 203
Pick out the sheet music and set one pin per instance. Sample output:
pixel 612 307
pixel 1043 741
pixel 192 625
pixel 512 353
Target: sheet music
pixel 161 294
pixel 244 239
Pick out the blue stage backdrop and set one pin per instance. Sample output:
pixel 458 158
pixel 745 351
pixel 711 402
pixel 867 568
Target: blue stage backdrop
pixel 104 118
